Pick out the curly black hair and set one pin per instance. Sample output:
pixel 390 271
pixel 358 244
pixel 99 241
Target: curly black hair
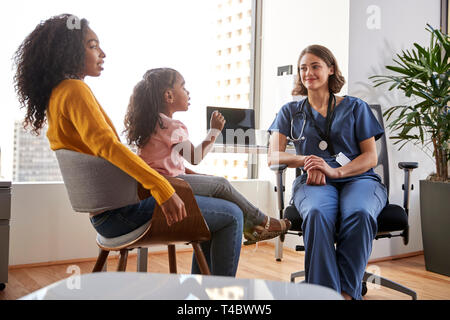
pixel 146 103
pixel 54 51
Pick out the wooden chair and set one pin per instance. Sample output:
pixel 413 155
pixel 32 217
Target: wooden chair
pixel 94 184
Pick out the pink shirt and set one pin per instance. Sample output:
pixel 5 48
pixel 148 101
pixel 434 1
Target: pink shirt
pixel 159 153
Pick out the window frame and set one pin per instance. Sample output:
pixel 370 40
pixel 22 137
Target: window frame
pixel 255 78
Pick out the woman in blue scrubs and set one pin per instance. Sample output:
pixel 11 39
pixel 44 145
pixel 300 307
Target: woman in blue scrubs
pixel 339 196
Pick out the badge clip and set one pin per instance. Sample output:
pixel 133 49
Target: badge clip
pixel 342 159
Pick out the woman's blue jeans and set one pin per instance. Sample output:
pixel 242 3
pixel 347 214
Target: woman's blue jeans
pixel 224 219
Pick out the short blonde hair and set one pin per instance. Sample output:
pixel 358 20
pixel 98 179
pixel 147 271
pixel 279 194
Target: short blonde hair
pixel 335 81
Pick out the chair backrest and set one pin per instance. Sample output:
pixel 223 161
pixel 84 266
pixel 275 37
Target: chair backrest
pixel 382 168
pixel 193 228
pixel 94 184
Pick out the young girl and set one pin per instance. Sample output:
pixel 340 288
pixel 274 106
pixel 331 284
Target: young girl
pixel 163 143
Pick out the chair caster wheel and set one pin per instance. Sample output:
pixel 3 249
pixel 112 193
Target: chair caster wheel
pixel 2 286
pixel 364 289
pixel 278 259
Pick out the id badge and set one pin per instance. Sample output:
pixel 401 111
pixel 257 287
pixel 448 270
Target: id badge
pixel 342 159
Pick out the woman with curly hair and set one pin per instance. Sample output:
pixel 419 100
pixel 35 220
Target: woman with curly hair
pixel 52 63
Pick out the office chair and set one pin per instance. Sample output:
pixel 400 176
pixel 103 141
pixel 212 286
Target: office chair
pixel 392 221
pixel 94 184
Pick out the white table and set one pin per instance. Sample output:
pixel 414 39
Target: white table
pixel 157 286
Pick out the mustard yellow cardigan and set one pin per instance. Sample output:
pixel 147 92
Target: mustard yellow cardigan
pixel 77 122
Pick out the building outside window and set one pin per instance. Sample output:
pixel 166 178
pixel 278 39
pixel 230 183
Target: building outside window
pixel 33 159
pixel 232 17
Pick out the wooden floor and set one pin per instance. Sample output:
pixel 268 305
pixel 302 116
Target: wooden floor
pixel 256 262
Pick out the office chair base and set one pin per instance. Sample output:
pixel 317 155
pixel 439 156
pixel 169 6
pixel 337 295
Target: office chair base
pixel 370 277
pixel 297 275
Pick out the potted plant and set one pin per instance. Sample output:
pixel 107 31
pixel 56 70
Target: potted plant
pixel 423 75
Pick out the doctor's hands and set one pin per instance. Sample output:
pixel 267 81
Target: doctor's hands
pixel 315 178
pixel 315 163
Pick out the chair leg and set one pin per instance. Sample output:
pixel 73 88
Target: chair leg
pixel 172 258
pixel 99 264
pixel 142 257
pixel 123 260
pixel 201 260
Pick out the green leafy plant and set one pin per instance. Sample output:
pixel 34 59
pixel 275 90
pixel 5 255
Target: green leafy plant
pixel 423 73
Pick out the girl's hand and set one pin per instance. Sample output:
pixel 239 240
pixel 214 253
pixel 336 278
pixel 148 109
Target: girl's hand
pixel 217 121
pixel 316 178
pixel 317 163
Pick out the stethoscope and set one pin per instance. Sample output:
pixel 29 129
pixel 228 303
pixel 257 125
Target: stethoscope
pixel 302 114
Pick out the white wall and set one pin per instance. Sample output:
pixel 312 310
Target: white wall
pixel 45 228
pixel 288 27
pixel 378 30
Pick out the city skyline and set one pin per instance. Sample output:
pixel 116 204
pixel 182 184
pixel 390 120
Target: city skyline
pixel 34 161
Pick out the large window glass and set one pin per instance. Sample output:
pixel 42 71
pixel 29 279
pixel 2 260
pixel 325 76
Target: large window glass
pixel 207 41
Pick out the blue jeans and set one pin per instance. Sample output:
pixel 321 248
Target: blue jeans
pixel 224 219
pixel 218 187
pixel 341 212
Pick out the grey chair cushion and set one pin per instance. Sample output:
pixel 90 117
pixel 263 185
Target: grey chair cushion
pixel 94 184
pixel 123 239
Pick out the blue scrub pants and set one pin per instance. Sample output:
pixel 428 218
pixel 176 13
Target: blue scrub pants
pixel 341 212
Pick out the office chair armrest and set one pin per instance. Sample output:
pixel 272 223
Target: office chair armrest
pixel 279 188
pixel 278 167
pixel 407 167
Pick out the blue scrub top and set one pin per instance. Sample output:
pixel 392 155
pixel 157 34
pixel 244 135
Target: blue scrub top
pixel 353 122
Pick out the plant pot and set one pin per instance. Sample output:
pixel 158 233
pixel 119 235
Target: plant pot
pixel 435 217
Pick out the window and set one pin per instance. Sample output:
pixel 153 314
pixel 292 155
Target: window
pixel 236 92
pixel 215 71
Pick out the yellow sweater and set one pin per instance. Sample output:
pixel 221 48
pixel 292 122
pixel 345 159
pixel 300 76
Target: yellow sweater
pixel 77 122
